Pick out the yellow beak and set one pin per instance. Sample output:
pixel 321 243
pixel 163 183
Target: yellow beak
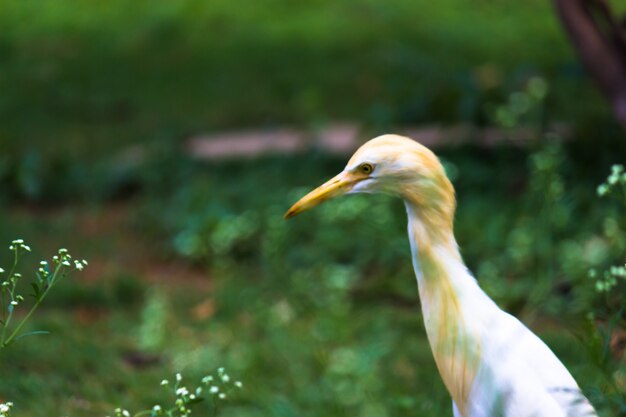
pixel 334 187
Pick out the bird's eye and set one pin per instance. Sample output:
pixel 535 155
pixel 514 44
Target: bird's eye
pixel 366 168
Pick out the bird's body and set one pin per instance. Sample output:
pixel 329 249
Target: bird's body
pixel 491 364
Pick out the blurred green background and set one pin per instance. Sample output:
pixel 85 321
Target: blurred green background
pixel 191 266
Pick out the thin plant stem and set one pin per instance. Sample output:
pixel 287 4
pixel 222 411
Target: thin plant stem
pixel 32 309
pixel 3 304
pixel 6 320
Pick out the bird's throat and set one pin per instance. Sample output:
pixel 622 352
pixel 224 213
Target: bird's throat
pixel 443 282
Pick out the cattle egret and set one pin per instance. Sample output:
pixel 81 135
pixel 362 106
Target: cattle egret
pixel 491 364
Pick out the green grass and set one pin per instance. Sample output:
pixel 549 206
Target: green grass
pixel 191 265
pixel 318 315
pixel 340 357
pixel 83 78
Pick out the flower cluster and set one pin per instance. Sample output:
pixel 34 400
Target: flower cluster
pixel 616 178
pixel 5 409
pixel 9 298
pixel 47 275
pixel 7 288
pixel 609 278
pixel 65 259
pixel 45 278
pixel 221 384
pixel 213 390
pixel 18 245
pixel 119 412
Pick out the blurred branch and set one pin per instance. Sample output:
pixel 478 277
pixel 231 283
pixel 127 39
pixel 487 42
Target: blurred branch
pixel 600 40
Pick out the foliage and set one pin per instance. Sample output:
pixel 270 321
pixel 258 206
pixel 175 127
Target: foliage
pixel 45 279
pixel 81 81
pixel 214 390
pixel 5 409
pixel 318 310
pixel 607 318
pixel 218 386
pixel 321 313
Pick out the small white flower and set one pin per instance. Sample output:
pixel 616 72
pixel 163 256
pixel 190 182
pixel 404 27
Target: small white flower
pixel 66 263
pixel 198 390
pixel 79 266
pixel 4 408
pixel 220 370
pixel 192 396
pixel 164 382
pixel 125 413
pixel 43 263
pixel 14 303
pixel 207 379
pixel 238 384
pixel 179 377
pixel 225 378
pixel 182 391
pixel 26 248
pixel 20 241
pixel 1 270
pixel 222 396
pixel 214 389
pixel 84 262
pixel 156 409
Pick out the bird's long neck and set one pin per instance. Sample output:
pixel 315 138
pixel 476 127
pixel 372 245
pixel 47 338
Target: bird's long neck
pixel 445 286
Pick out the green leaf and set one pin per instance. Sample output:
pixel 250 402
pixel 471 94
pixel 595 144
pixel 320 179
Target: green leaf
pixel 31 334
pixel 36 290
pixel 40 279
pixel 195 400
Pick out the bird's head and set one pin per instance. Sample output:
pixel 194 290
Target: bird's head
pixel 393 165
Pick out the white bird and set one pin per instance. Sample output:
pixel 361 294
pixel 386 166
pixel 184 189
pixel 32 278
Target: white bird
pixel 491 364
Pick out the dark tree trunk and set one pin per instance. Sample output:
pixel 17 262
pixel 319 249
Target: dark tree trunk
pixel 600 39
